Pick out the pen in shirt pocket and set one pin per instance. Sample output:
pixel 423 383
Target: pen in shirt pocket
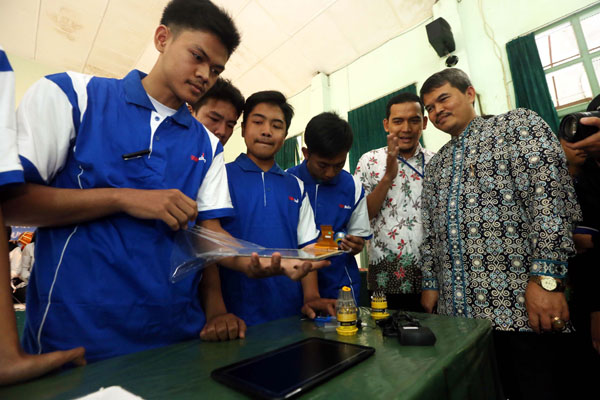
pixel 136 154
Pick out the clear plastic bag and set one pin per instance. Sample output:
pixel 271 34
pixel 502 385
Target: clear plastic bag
pixel 197 247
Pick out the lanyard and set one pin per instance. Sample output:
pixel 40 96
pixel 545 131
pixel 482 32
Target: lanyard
pixel 422 175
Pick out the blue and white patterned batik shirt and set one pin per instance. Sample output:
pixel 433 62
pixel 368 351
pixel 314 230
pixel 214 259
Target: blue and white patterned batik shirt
pixel 498 206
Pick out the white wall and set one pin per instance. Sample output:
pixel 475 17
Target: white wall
pixel 26 73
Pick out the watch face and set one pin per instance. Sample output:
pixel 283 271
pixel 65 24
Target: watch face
pixel 548 283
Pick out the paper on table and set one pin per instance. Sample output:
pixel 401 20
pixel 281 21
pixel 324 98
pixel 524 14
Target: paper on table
pixel 111 393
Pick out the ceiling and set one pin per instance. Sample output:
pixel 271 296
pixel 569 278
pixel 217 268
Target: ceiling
pixel 285 43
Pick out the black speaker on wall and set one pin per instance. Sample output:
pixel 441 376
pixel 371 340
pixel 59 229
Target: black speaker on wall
pixel 440 36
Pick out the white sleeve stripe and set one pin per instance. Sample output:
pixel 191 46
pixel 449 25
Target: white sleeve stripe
pixel 214 190
pixel 9 154
pixel 359 220
pixel 307 230
pixel 80 82
pixel 45 127
pixel 300 183
pixel 214 143
pixel 358 189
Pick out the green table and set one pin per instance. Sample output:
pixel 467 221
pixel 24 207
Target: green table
pixel 459 366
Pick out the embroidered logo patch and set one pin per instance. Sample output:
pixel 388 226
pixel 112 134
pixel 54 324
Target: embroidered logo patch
pixel 196 159
pixel 293 199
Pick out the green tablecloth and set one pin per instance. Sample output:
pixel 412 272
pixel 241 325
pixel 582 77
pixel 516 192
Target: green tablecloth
pixel 459 366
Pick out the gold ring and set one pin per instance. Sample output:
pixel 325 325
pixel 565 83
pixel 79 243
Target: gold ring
pixel 558 323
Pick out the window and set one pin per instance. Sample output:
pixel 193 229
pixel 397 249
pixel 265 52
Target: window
pixel 570 54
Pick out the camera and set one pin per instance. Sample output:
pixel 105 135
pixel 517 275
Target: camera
pixel 572 130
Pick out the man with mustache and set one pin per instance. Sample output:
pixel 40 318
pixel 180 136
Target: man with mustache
pixel 498 210
pixel 392 177
pixel 272 210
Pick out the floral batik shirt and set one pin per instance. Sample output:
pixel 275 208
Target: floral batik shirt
pixel 397 228
pixel 498 205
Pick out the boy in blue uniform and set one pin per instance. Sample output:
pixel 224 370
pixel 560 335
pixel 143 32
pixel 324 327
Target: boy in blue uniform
pixel 118 166
pixel 219 109
pixel 337 198
pixel 272 211
pixel 15 364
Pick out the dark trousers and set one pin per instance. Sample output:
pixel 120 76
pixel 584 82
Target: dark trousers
pixel 540 366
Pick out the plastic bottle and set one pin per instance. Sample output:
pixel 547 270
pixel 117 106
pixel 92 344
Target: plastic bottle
pixel 379 305
pixel 346 313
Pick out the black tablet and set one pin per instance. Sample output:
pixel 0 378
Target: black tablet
pixel 292 370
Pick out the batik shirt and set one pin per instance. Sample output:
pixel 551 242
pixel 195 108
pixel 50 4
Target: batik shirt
pixel 397 228
pixel 498 205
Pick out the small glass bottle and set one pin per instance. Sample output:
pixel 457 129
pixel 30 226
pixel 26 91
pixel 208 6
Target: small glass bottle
pixel 346 312
pixel 379 305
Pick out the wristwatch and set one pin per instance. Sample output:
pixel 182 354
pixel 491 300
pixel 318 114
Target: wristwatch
pixel 548 283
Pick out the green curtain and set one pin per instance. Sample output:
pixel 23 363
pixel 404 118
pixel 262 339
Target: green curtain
pixel 367 126
pixel 529 80
pixel 288 155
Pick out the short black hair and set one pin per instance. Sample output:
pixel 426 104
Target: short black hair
pixel 328 135
pixel 271 97
pixel 223 90
pixel 404 97
pixel 201 15
pixel 454 76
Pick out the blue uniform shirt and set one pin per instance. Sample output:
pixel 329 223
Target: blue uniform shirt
pixel 104 284
pixel 272 211
pixel 10 167
pixel 341 203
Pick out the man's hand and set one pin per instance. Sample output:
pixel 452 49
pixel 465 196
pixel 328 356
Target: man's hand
pixel 353 243
pixel 591 144
pixel 376 199
pixel 542 306
pixel 223 327
pixel 391 166
pixel 171 206
pixel 18 366
pixel 595 322
pixel 429 299
pixel 292 268
pixel 312 306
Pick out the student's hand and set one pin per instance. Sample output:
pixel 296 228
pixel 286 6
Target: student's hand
pixel 391 169
pixel 223 327
pixel 429 299
pixel 542 306
pixel 595 322
pixel 171 206
pixel 292 268
pixel 591 144
pixel 353 243
pixel 312 306
pixel 18 366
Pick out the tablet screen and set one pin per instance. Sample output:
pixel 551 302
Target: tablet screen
pixel 292 369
